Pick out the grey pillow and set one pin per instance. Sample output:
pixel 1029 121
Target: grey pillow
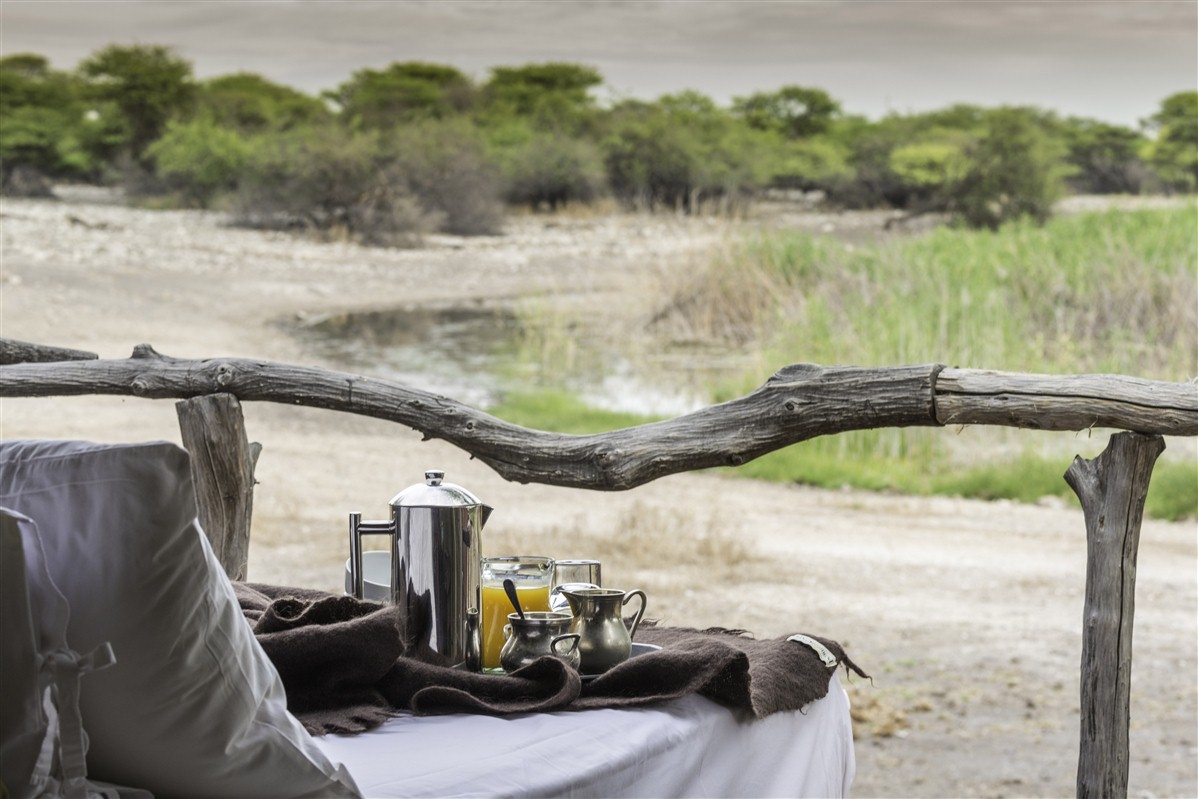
pixel 192 707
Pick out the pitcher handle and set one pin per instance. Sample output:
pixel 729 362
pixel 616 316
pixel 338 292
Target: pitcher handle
pixel 636 620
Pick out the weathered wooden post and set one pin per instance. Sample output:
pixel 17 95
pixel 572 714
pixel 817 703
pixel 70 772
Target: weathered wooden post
pixel 1112 489
pixel 222 465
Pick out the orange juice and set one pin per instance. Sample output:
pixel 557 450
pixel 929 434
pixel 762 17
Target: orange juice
pixel 496 606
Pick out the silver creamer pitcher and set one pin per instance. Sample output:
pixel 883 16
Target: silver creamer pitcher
pixel 603 640
pixel 436 551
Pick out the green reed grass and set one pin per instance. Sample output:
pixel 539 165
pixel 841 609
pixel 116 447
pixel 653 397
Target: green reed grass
pixel 1109 292
pixel 561 412
pixel 1113 292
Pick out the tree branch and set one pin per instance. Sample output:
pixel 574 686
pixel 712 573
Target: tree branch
pixel 800 402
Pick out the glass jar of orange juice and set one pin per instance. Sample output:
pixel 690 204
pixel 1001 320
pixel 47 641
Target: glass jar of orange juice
pixel 532 576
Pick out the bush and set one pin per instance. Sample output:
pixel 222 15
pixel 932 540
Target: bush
pixel 814 163
pixel 200 159
pixel 23 180
pixel 373 189
pixel 1174 152
pixel 682 152
pixel 548 170
pixel 326 180
pixel 926 145
pixel 1015 171
pixel 444 164
pixel 1105 159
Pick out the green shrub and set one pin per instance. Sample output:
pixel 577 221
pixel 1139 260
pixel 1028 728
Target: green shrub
pixel 379 189
pixel 682 153
pixel 814 163
pixel 326 180
pixel 444 165
pixel 200 159
pixel 546 169
pixel 1015 171
pixel 1104 158
pixel 873 181
pixel 929 164
pixel 1174 152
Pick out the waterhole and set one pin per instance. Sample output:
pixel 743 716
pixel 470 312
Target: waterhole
pixel 477 354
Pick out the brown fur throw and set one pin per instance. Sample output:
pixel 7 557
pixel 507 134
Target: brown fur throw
pixel 343 666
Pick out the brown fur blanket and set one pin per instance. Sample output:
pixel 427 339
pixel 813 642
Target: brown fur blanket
pixel 344 669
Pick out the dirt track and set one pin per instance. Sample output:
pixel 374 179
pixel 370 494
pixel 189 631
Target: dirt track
pixel 967 614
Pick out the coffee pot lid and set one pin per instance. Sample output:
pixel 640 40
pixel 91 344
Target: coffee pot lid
pixel 434 492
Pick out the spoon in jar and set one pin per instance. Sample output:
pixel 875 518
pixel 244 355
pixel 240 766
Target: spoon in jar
pixel 510 589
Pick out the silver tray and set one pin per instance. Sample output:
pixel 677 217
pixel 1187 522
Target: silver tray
pixel 637 649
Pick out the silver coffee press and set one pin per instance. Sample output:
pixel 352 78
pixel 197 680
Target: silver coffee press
pixel 436 550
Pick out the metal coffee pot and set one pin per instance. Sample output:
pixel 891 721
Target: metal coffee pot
pixel 603 640
pixel 436 551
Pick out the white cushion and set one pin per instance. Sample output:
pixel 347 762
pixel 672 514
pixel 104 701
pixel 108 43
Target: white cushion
pixel 193 707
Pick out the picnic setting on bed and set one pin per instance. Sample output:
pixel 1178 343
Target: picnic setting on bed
pixel 134 666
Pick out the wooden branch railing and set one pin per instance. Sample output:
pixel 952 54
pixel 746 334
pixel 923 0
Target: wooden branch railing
pixel 800 402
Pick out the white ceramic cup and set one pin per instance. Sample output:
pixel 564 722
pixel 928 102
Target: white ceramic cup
pixel 376 576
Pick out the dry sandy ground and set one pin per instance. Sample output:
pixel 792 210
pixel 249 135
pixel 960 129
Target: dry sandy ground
pixel 967 614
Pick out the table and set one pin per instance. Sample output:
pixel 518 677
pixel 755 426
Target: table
pixel 688 747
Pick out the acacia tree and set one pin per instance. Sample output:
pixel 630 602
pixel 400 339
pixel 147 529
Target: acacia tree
pixel 45 132
pixel 204 155
pixel 553 95
pixel 143 86
pixel 1174 153
pixel 402 93
pixel 542 128
pixel 1105 158
pixel 796 112
pixel 250 103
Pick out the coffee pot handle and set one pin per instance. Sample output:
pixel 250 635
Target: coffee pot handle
pixel 357 529
pixel 636 620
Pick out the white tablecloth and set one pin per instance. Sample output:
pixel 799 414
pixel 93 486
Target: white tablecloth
pixel 688 747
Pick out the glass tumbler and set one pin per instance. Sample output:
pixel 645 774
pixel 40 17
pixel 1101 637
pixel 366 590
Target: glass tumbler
pixel 532 576
pixel 574 574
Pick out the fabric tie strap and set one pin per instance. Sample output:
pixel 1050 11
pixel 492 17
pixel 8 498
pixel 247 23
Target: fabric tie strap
pixel 61 671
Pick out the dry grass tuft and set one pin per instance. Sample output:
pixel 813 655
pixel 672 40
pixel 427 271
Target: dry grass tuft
pixel 873 716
